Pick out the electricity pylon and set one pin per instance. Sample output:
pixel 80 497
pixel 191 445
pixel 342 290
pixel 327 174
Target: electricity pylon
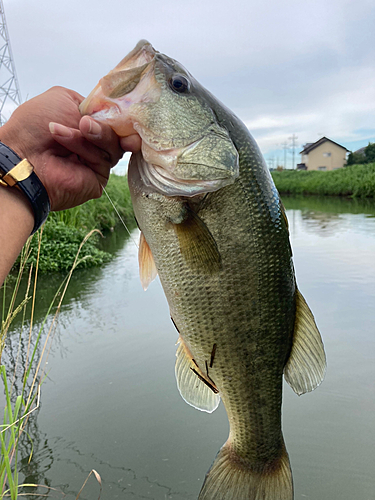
pixel 10 95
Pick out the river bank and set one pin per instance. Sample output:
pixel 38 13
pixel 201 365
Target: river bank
pixel 64 231
pixel 354 181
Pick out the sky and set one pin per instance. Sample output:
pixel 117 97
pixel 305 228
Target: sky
pixel 291 68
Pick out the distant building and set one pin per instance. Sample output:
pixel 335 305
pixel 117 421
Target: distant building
pixel 361 151
pixel 323 155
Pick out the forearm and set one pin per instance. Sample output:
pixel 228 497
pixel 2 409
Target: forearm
pixel 16 224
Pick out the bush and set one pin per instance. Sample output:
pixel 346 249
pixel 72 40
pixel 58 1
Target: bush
pixel 356 180
pixel 59 247
pixel 65 230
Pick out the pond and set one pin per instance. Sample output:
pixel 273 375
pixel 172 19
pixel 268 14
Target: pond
pixel 110 400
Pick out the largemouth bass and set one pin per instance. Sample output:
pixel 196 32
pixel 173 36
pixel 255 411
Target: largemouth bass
pixel 214 229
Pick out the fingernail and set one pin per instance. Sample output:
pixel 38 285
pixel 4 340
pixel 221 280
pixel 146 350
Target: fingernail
pixel 58 129
pixel 95 128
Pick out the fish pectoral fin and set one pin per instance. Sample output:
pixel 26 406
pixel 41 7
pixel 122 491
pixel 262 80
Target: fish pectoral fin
pixel 195 388
pixel 197 245
pixel 147 268
pixel 306 366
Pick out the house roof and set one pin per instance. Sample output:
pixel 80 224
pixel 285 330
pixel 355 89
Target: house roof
pixel 310 146
pixel 361 151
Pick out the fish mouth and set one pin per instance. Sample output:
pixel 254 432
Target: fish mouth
pixel 169 166
pixel 129 83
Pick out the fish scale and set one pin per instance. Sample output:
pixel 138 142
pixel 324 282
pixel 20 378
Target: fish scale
pixel 230 308
pixel 214 229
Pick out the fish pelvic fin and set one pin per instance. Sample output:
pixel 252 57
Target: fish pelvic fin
pixel 147 267
pixel 232 478
pixel 195 387
pixel 306 366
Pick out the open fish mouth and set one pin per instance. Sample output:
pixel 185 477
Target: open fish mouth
pixel 129 84
pixel 184 160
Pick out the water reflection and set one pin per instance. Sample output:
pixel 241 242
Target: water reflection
pixel 111 403
pixel 328 216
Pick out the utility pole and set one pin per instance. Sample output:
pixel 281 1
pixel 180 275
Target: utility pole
pixel 271 162
pixel 293 139
pixel 285 146
pixel 10 95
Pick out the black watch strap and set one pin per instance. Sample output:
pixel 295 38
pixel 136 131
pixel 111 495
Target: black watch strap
pixel 26 181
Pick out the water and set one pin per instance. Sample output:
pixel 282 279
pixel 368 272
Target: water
pixel 110 401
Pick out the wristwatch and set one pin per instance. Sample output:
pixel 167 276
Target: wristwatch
pixel 18 173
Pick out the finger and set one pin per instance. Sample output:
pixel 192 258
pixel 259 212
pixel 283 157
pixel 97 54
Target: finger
pixel 131 143
pixel 102 136
pixel 97 159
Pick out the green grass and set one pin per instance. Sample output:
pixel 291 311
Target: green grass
pixel 64 231
pixel 99 214
pixel 22 400
pixel 353 181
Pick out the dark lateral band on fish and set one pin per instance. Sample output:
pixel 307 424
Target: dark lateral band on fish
pixel 213 388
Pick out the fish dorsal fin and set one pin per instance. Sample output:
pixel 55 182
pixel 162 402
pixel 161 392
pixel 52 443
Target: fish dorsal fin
pixel 305 368
pixel 197 245
pixel 194 386
pixel 147 268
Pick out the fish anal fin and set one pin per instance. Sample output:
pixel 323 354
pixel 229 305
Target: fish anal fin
pixel 197 245
pixel 147 268
pixel 305 368
pixel 194 386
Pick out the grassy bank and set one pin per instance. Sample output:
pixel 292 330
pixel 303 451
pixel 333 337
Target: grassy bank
pixel 355 181
pixel 64 231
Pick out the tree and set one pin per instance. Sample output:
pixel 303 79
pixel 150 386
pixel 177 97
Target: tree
pixel 370 153
pixel 356 159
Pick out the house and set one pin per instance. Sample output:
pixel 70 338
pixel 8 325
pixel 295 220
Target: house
pixel 323 155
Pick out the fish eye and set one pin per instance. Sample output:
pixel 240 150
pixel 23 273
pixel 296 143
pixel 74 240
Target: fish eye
pixel 179 84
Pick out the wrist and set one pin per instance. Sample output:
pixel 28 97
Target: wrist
pixel 18 205
pixel 9 137
pixel 16 221
pixel 17 174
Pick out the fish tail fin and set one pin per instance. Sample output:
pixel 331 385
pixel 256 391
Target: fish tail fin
pixel 231 478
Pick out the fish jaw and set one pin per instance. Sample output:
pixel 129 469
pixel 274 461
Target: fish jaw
pixel 153 178
pixel 129 84
pixel 185 151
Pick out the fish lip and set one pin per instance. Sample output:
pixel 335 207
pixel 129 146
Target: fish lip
pixel 103 111
pixel 143 48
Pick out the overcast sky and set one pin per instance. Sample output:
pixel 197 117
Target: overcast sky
pixel 292 67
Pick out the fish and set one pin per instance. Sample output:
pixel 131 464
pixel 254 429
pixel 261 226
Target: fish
pixel 213 227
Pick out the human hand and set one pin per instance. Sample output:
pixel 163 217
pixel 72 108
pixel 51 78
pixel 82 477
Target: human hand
pixel 72 156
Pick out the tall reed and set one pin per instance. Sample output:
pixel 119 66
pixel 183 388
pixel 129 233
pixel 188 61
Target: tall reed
pixel 19 408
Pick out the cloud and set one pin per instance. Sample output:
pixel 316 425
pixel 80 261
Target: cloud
pixel 282 67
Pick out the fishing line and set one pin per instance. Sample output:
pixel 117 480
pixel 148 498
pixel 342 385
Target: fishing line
pixel 119 216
